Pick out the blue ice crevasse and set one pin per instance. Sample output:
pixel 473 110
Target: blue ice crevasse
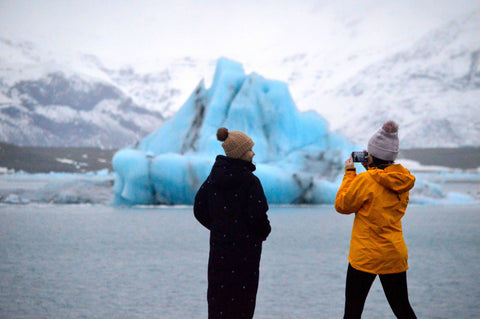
pixel 298 159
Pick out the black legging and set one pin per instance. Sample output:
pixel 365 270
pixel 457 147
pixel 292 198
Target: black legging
pixel 394 286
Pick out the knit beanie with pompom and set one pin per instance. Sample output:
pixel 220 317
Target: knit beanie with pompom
pixel 235 143
pixel 384 143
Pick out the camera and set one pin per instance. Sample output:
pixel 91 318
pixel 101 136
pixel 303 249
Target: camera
pixel 360 157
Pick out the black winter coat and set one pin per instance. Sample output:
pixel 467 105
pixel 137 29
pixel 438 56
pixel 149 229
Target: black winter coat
pixel 232 205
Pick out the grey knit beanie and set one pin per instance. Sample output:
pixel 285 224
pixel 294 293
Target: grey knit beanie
pixel 384 143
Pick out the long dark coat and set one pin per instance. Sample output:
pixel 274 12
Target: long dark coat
pixel 232 205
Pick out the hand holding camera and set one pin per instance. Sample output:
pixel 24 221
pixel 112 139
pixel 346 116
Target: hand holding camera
pixel 357 157
pixel 360 157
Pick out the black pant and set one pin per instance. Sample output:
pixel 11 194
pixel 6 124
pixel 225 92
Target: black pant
pixel 394 286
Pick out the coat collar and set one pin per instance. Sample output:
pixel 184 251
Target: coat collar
pixel 236 162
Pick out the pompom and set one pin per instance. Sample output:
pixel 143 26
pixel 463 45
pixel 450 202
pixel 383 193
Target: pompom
pixel 222 134
pixel 390 127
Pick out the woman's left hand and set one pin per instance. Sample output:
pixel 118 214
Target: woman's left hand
pixel 349 163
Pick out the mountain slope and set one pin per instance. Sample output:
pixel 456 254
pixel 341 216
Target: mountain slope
pixel 77 101
pixel 432 89
pixel 57 110
pixel 430 86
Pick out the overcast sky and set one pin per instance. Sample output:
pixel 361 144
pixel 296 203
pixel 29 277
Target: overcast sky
pixel 123 31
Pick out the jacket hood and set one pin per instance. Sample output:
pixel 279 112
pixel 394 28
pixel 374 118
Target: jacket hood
pixel 230 172
pixel 394 177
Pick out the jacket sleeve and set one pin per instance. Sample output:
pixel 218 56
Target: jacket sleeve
pixel 352 193
pixel 200 207
pixel 257 208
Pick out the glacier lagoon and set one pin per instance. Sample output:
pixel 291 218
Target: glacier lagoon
pixel 101 261
pixel 95 260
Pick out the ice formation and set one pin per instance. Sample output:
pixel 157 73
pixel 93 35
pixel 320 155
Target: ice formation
pixel 298 159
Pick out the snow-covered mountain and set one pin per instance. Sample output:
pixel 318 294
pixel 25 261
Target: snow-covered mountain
pixel 429 83
pixel 48 101
pixel 432 88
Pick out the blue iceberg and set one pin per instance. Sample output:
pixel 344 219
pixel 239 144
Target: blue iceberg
pixel 298 159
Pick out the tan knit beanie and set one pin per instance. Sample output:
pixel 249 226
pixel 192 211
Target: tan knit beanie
pixel 235 143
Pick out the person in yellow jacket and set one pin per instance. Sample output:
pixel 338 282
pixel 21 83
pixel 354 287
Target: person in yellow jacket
pixel 379 199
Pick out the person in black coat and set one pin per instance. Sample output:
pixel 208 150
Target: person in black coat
pixel 232 205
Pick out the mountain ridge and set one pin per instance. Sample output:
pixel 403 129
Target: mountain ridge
pixel 422 87
pixel 431 87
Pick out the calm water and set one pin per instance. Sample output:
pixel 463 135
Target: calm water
pixel 104 262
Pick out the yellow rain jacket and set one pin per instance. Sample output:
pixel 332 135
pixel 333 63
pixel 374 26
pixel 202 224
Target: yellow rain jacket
pixel 379 198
